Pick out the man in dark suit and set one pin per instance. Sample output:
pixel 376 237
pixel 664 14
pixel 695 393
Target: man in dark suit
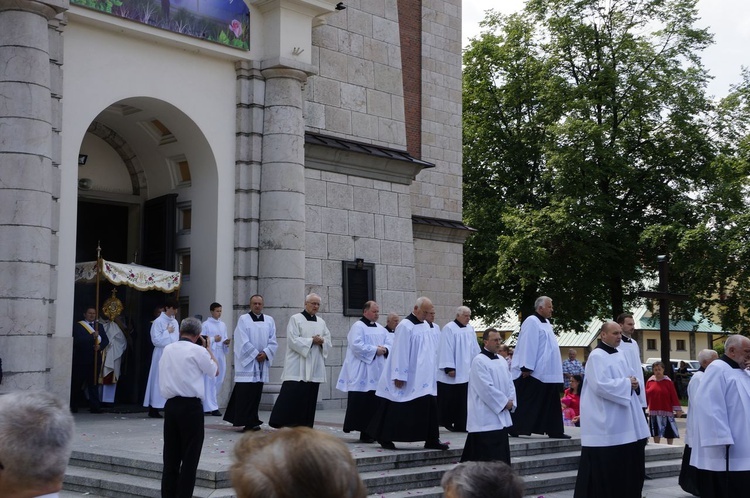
pixel 89 340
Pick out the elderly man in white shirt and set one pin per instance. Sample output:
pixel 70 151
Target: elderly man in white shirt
pixel 181 369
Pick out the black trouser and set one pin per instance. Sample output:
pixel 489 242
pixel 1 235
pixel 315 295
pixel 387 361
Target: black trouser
pixel 183 442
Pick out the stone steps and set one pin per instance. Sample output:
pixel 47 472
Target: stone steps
pixel 555 471
pixel 546 465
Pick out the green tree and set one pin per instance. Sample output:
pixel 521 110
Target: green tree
pixel 586 125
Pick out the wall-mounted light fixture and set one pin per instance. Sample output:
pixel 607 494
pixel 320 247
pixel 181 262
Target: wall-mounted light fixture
pixel 340 6
pixel 82 158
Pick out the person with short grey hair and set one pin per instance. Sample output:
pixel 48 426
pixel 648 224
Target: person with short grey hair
pixel 308 342
pixel 36 433
pixel 457 348
pixel 181 369
pixel 537 373
pixel 721 407
pixel 688 479
pixel 482 480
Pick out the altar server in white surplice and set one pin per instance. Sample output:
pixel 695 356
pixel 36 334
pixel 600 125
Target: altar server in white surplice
pixel 688 479
pixel 254 350
pixel 633 353
pixel 613 430
pixel 721 408
pixel 308 342
pixel 216 331
pixel 368 344
pixel 407 388
pixel 164 331
pixel 491 399
pixel 458 347
pixel 536 370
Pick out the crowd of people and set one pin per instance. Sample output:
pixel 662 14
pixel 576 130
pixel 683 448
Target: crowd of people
pixel 406 379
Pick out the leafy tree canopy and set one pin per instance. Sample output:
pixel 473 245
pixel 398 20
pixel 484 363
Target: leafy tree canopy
pixel 590 147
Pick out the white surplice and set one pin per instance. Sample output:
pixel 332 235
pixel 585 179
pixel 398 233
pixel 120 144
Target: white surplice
pixel 211 328
pixel 250 339
pixel 490 388
pixel 160 337
pixel 458 347
pixel 633 354
pixel 611 412
pixel 721 411
pixel 537 350
pixel 413 359
pixel 305 362
pixel 692 389
pixel 362 367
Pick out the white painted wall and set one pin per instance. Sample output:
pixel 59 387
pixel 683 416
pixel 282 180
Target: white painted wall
pixel 194 96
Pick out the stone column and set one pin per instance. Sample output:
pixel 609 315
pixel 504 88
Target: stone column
pixel 29 187
pixel 250 98
pixel 281 239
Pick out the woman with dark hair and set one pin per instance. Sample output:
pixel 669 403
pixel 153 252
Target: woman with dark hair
pixel 571 401
pixel 662 400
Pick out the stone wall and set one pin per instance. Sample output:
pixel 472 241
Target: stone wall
pixel 348 218
pixel 358 91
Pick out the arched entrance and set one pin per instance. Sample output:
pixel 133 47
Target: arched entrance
pixel 147 185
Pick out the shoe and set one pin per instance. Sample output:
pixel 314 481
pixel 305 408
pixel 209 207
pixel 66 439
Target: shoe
pixel 216 413
pixel 387 445
pixel 96 410
pixel 517 434
pixel 435 445
pixel 559 436
pixel 254 428
pixel 206 414
pixel 364 438
pixel 154 413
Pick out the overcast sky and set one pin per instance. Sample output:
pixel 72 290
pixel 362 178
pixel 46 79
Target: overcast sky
pixel 728 20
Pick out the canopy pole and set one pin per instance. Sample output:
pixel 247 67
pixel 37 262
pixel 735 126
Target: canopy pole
pixel 96 320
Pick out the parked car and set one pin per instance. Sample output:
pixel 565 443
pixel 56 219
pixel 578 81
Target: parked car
pixel 693 365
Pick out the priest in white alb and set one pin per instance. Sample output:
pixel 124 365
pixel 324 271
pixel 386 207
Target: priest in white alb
pixel 308 342
pixel 721 407
pixel 368 344
pixel 407 388
pixel 613 430
pixel 458 347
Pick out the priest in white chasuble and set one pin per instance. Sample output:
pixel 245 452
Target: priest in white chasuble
pixel 613 430
pixel 407 388
pixel 721 444
pixel 308 342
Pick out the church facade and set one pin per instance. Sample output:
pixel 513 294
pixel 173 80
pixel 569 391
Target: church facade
pixel 261 151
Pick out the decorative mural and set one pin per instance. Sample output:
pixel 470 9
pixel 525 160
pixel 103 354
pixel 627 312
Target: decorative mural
pixel 220 21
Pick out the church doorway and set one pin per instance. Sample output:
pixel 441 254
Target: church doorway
pixel 139 161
